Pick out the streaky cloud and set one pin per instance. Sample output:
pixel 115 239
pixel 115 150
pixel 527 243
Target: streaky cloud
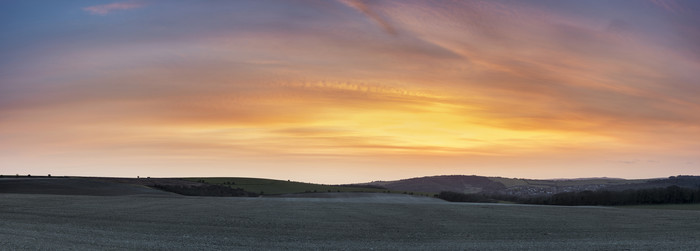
pixel 669 5
pixel 364 8
pixel 109 8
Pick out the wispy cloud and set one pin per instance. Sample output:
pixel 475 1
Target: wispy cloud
pixel 363 7
pixel 669 5
pixel 108 8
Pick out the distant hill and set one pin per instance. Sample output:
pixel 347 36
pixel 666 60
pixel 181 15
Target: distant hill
pixel 274 187
pixel 256 186
pixel 218 186
pixel 684 181
pixel 436 184
pixel 529 187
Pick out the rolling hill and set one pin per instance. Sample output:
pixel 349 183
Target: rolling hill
pixel 274 187
pixel 236 186
pixel 529 187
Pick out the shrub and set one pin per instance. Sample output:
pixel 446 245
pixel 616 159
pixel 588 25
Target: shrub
pixel 205 190
pixel 462 197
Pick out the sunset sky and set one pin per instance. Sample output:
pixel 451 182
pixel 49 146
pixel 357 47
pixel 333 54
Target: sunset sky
pixel 350 91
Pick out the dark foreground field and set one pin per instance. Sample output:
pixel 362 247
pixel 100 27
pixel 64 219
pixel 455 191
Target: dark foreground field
pixel 398 222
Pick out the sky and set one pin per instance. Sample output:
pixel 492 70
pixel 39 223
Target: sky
pixel 350 91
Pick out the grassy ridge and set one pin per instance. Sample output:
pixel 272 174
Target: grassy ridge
pixel 270 186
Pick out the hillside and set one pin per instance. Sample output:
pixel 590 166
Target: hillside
pixel 232 186
pixel 436 184
pixel 256 186
pixel 529 187
pixel 75 186
pixel 272 187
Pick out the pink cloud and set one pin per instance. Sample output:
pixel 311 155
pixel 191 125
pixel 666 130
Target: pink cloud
pixel 669 5
pixel 107 8
pixel 362 7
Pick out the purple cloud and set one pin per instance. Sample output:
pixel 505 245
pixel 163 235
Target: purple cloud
pixel 107 8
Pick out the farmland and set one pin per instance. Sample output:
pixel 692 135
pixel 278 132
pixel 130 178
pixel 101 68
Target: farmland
pixel 342 221
pixel 667 206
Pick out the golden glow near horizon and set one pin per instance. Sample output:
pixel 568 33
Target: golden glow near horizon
pixel 352 91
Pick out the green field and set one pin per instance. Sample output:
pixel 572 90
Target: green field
pixel 667 206
pixel 376 221
pixel 271 187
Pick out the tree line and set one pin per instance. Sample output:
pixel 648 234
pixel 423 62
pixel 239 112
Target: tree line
pixel 668 195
